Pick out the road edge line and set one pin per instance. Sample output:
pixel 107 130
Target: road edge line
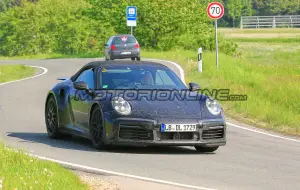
pixel 102 171
pixel 261 132
pixel 45 70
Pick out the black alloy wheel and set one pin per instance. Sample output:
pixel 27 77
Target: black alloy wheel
pixel 51 117
pixel 97 129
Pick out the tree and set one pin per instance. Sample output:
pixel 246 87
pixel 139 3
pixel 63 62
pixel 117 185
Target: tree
pixel 234 8
pixel 49 26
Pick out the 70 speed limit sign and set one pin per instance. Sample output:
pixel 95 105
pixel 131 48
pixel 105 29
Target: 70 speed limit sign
pixel 215 10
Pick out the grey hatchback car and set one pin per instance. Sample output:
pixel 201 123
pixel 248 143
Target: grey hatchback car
pixel 122 47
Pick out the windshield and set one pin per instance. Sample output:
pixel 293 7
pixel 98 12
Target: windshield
pixel 140 78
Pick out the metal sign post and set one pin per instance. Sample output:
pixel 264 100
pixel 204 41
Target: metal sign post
pixel 215 10
pixel 131 13
pixel 217 49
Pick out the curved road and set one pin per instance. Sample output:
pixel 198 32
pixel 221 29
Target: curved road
pixel 250 160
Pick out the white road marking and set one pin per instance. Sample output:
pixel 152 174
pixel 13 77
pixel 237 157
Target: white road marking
pixel 45 70
pixel 264 133
pixel 91 169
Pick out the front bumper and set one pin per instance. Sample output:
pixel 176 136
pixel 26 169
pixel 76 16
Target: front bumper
pixel 142 132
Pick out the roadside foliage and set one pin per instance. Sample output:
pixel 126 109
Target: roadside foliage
pixel 83 26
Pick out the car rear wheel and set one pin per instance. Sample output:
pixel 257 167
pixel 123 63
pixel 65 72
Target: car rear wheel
pixel 51 117
pixel 97 131
pixel 111 57
pixel 206 149
pixel 133 58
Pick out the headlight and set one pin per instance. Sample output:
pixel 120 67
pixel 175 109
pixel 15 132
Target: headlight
pixel 213 106
pixel 121 106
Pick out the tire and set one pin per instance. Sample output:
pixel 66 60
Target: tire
pixel 206 149
pixel 51 119
pixel 138 58
pixel 110 57
pixel 133 58
pixel 97 130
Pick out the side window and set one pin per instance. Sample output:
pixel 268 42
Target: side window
pixel 162 78
pixel 87 77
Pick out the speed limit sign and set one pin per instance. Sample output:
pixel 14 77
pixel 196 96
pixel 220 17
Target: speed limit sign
pixel 215 10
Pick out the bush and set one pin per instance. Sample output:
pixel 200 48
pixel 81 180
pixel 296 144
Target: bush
pixel 56 26
pixel 83 26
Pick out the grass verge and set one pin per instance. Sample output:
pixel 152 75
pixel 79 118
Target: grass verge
pixel 272 89
pixel 295 40
pixel 260 30
pixel 20 171
pixel 15 72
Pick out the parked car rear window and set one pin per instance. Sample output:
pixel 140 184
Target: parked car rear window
pixel 124 39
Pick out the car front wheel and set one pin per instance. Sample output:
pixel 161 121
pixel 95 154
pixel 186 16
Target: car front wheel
pixel 51 117
pixel 97 131
pixel 206 149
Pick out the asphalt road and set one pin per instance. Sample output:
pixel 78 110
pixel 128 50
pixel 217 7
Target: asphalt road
pixel 249 160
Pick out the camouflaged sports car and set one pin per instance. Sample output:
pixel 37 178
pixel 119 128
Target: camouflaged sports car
pixel 134 103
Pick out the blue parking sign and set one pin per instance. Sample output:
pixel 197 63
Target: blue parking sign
pixel 131 15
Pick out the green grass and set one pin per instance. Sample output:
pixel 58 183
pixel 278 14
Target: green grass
pixel 14 72
pixel 261 30
pixel 295 40
pixel 269 35
pixel 20 171
pixel 272 84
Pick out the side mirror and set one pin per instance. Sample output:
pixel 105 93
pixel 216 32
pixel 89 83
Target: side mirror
pixel 81 85
pixel 194 86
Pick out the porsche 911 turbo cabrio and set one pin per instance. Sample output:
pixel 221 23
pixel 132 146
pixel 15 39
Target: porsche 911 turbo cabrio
pixel 136 104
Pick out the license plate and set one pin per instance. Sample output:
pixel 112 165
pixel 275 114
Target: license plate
pixel 178 127
pixel 126 53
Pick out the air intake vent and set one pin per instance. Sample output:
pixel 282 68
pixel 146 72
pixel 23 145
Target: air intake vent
pixel 135 132
pixel 217 133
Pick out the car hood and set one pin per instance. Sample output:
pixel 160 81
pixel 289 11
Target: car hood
pixel 176 108
pixel 192 108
